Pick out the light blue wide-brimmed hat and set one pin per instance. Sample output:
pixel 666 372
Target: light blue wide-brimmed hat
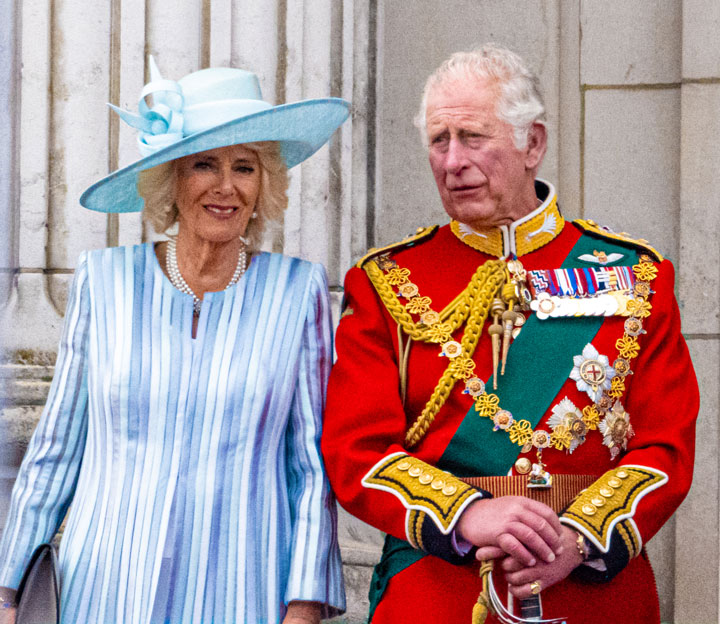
pixel 211 108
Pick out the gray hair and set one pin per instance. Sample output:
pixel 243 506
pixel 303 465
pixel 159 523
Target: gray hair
pixel 520 103
pixel 157 187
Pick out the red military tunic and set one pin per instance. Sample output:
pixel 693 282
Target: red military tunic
pixel 367 457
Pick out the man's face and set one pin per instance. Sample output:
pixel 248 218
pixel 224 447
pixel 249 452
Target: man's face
pixel 483 178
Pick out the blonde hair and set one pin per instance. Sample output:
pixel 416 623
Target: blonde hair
pixel 520 103
pixel 157 188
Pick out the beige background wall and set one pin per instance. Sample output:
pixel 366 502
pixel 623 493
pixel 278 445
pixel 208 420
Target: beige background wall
pixel 633 95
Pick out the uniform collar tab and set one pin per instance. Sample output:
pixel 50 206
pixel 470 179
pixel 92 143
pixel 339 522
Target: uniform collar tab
pixel 521 237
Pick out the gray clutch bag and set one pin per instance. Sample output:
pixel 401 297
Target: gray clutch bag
pixel 38 595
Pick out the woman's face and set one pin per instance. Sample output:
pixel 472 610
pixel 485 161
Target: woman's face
pixel 216 192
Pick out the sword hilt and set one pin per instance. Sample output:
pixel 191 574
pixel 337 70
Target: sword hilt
pixel 531 608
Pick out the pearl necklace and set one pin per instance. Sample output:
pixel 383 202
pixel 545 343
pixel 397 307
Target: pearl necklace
pixel 179 282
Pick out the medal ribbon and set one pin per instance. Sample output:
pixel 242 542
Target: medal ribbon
pixel 579 282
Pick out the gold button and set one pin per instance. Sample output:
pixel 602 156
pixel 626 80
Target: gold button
pixel 607 492
pixel 449 490
pixel 523 465
pixel 425 478
pixel 614 482
pixel 598 501
pixel 415 471
pixel 622 474
pixel 438 484
pixel 403 465
pixel 588 509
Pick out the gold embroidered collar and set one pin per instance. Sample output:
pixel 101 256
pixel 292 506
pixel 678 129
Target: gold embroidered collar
pixel 520 237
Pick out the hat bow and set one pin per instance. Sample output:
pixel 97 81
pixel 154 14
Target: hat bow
pixel 161 124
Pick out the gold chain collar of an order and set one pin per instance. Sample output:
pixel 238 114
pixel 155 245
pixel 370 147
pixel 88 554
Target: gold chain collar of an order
pixel 471 307
pixel 520 431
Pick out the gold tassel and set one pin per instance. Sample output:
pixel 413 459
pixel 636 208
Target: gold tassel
pixel 508 318
pixel 495 330
pixel 481 607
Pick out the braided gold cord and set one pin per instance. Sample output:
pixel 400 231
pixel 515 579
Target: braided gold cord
pixel 402 353
pixel 454 314
pixel 458 309
pixel 473 304
pixel 481 295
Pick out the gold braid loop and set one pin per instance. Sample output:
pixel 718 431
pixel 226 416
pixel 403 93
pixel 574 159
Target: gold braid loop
pixel 459 308
pixel 480 293
pixel 453 315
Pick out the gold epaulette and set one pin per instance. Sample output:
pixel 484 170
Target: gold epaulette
pixel 589 226
pixel 420 235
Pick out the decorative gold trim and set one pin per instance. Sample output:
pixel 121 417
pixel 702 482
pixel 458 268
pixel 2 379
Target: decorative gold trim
pixel 626 530
pixel 415 521
pixel 487 240
pixel 421 488
pixel 628 349
pixel 540 230
pixel 527 235
pixel 588 225
pixel 520 432
pixel 612 499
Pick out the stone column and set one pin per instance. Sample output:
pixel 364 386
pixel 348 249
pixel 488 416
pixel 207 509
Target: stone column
pixel 8 206
pixel 8 144
pixel 697 548
pixel 629 150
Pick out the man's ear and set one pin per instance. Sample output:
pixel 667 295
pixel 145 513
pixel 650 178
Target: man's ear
pixel 536 145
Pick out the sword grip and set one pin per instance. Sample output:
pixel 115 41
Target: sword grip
pixel 531 608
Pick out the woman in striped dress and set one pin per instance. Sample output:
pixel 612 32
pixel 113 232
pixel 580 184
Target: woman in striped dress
pixel 183 423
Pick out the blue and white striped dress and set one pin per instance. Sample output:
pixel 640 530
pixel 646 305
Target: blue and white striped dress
pixel 193 465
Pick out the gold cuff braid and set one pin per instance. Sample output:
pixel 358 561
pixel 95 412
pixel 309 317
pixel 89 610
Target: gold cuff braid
pixel 609 504
pixel 422 489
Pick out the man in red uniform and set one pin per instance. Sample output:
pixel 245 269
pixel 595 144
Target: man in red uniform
pixel 510 387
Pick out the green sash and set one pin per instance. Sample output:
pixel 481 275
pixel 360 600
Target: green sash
pixel 539 363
